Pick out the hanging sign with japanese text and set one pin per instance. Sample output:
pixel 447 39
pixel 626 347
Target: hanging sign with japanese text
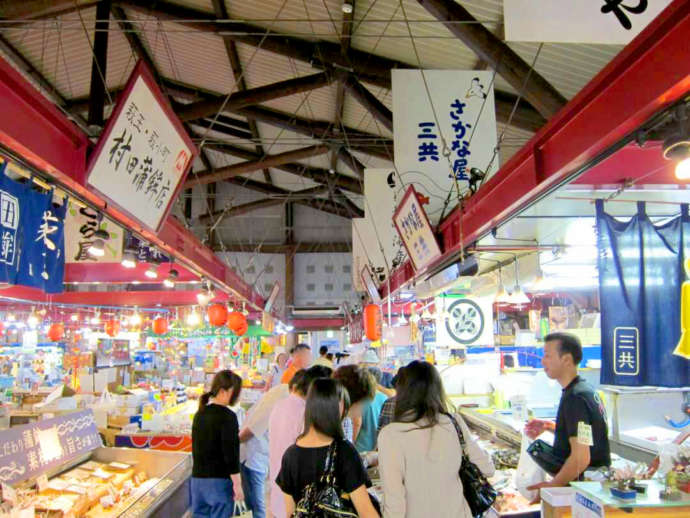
pixel 42 263
pixel 28 450
pixel 444 124
pixel 31 236
pixel 81 223
pixel 415 231
pixel 585 21
pixel 144 154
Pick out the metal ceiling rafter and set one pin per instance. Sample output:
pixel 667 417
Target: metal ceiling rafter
pixel 240 81
pixel 251 206
pixel 367 67
pixel 99 64
pixel 369 101
pixel 488 47
pixel 345 41
pixel 222 173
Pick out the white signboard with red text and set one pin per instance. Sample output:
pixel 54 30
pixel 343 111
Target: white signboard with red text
pixel 415 231
pixel 143 156
pixel 584 21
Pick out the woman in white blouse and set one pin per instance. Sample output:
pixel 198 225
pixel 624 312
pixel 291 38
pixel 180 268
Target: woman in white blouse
pixel 420 453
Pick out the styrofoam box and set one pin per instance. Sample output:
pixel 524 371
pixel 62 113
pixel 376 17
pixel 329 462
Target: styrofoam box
pixel 558 496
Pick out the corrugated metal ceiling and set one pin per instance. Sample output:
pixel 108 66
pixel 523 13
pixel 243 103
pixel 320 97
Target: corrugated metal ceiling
pixel 61 50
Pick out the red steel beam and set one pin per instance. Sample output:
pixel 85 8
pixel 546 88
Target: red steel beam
pixel 651 73
pixel 317 324
pixel 37 131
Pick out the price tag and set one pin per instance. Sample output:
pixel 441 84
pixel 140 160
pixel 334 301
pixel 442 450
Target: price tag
pixel 9 494
pixel 42 483
pixel 584 434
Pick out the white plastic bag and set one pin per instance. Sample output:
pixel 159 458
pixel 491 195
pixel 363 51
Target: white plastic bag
pixel 528 472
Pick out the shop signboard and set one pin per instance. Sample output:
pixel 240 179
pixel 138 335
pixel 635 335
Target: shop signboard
pixel 585 21
pixel 29 450
pixel 464 321
pixel 81 223
pixel 355 328
pixel 270 301
pixel 415 231
pixel 444 124
pixel 144 153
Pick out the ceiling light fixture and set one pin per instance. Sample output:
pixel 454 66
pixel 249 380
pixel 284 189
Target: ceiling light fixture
pixel 677 146
pixel 347 7
pixel 169 282
pixel 97 248
pixel 193 319
pixel 129 259
pixel 502 296
pixel 151 272
pixel 518 297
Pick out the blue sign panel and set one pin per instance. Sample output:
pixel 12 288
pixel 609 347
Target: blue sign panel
pixel 29 450
pixel 626 351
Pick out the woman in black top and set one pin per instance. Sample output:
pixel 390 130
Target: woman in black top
pixel 304 462
pixel 216 449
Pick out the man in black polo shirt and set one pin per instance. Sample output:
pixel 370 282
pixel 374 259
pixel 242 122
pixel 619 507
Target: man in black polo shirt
pixel 581 435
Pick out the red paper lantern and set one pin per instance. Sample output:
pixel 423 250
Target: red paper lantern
pixel 237 320
pixel 160 326
pixel 112 328
pixel 372 322
pixel 242 328
pixel 2 328
pixel 56 332
pixel 217 314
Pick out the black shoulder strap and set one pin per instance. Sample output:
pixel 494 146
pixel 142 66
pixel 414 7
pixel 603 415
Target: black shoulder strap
pixel 459 432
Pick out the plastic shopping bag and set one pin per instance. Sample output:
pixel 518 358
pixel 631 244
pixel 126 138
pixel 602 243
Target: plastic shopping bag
pixel 240 509
pixel 528 472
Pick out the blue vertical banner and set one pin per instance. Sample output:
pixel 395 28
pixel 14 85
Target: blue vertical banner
pixel 12 196
pixel 42 264
pixel 640 278
pixel 32 237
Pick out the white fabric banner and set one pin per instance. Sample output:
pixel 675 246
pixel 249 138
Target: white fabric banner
pixel 458 108
pixel 469 322
pixel 381 198
pixel 583 21
pixel 81 223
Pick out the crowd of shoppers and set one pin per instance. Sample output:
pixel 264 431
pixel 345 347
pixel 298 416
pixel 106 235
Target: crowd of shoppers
pixel 318 414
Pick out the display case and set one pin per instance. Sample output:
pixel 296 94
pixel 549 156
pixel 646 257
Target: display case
pixel 58 466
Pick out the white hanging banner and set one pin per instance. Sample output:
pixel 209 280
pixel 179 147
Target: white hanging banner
pixel 583 21
pixel 465 116
pixel 81 223
pixel 144 153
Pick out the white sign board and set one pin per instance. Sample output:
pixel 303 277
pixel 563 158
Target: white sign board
pixel 415 231
pixel 81 223
pixel 374 240
pixel 587 507
pixel 143 155
pixel 465 118
pixel 464 322
pixel 583 21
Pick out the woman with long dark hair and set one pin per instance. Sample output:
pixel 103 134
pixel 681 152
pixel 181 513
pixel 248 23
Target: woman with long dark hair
pixel 420 452
pixel 216 481
pixel 305 461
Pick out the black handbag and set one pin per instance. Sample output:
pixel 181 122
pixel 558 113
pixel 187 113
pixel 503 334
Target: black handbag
pixel 542 453
pixel 479 493
pixel 322 499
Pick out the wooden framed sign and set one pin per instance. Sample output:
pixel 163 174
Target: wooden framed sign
pixel 415 231
pixel 144 153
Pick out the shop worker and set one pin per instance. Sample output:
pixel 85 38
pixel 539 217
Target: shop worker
pixel 581 435
pixel 300 358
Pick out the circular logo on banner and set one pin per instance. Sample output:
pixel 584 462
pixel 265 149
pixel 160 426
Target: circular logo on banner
pixel 465 321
